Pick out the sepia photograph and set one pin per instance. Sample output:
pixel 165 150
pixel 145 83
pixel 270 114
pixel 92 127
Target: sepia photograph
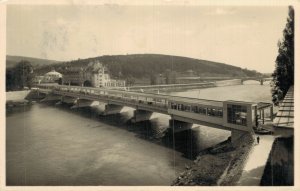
pixel 148 93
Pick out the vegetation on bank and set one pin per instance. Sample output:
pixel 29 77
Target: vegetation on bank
pixel 12 61
pixel 218 165
pixel 19 76
pixel 283 75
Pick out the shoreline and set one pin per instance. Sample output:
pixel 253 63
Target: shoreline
pixel 220 165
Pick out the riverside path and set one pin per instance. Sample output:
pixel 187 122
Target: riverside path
pixel 255 164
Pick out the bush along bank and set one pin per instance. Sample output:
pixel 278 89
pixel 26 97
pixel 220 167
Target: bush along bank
pixel 221 164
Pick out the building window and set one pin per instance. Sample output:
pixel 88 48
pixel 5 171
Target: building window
pixel 237 114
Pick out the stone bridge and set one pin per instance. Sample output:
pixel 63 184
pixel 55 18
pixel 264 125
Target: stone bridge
pixel 235 116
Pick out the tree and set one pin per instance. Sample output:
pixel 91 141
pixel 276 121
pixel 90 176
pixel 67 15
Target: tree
pixel 9 80
pixel 130 81
pixel 19 76
pixel 283 75
pixel 60 82
pixel 171 77
pixel 153 79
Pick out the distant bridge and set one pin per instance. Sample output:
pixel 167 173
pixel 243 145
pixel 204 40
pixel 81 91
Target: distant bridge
pixel 257 78
pixel 235 116
pixel 261 80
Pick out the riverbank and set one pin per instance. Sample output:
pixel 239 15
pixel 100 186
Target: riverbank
pixel 20 100
pixel 218 165
pixel 15 96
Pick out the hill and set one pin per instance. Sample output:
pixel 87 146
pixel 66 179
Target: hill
pixel 145 65
pixel 11 61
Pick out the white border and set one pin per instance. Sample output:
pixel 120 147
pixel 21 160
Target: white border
pixel 3 4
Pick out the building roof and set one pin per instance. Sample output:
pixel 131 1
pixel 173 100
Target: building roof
pixel 53 72
pixel 285 115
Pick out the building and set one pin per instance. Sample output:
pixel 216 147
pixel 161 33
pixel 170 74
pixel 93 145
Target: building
pixel 95 74
pixel 50 77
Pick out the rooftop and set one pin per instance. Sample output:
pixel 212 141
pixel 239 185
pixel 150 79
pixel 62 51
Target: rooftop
pixel 285 115
pixel 53 72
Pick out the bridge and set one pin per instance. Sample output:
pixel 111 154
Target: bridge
pixel 261 80
pixel 243 79
pixel 235 116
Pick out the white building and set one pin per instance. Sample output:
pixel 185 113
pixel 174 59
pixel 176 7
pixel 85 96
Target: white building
pixel 52 76
pixel 49 77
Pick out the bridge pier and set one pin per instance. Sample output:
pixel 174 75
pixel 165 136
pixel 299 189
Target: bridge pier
pixel 112 109
pixel 177 126
pixel 141 115
pixel 68 100
pixel 84 103
pixel 52 97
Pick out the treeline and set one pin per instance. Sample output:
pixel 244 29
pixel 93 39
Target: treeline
pixel 283 75
pixel 146 65
pixel 12 61
pixel 19 76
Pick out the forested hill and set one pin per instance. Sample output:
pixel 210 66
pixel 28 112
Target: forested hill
pixel 12 61
pixel 145 65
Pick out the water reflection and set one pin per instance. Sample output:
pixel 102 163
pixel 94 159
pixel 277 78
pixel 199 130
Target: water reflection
pixel 189 142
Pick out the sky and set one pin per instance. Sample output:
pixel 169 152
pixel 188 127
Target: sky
pixel 241 36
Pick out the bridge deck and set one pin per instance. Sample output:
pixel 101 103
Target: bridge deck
pixel 190 110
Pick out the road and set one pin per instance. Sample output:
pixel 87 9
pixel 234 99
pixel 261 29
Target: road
pixel 255 165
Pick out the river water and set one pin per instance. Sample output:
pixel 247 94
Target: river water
pixel 54 145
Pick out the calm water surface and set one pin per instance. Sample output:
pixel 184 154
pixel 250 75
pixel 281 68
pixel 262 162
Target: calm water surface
pixel 54 145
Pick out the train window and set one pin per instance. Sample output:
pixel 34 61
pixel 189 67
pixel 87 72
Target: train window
pixel 237 114
pixel 202 110
pixel 187 108
pixel 219 113
pixel 195 109
pixel 157 100
pixel 179 107
pixel 210 112
pixel 214 112
pixel 173 105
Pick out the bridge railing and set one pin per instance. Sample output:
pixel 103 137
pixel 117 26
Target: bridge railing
pixel 129 101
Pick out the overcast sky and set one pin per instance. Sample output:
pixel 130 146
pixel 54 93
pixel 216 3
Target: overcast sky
pixel 242 36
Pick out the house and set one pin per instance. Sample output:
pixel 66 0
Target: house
pixel 52 76
pixel 95 74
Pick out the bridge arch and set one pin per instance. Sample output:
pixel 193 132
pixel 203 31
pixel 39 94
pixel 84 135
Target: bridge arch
pixel 87 83
pixel 261 81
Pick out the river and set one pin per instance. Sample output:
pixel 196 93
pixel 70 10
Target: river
pixel 54 145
